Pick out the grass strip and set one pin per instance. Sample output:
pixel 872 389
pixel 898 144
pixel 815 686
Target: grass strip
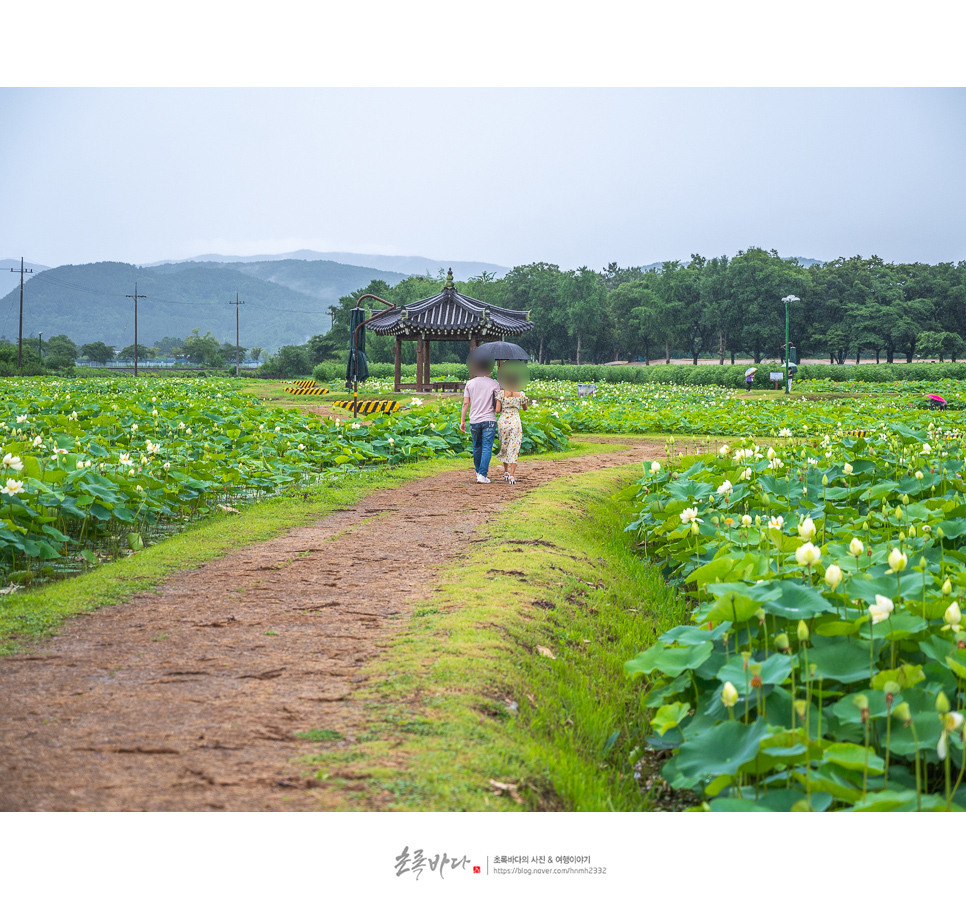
pixel 469 711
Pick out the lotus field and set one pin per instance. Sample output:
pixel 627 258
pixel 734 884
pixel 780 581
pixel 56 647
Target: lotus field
pixel 826 664
pixel 93 468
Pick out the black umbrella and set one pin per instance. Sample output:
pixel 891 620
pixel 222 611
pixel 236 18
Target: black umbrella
pixel 499 351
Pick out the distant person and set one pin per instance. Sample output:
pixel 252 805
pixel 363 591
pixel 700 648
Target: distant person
pixel 749 379
pixel 510 402
pixel 479 396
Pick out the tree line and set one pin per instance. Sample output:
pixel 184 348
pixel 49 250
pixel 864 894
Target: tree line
pixel 720 307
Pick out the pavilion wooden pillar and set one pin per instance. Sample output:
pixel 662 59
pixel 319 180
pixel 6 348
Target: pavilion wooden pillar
pixel 473 343
pixel 398 368
pixel 426 382
pixel 419 364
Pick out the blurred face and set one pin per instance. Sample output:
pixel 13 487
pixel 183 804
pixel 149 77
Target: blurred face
pixel 513 375
pixel 479 368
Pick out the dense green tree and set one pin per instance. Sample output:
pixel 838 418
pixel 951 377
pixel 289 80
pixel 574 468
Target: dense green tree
pixel 98 352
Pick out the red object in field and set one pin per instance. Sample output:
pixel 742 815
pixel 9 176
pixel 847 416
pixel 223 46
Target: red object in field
pixel 936 399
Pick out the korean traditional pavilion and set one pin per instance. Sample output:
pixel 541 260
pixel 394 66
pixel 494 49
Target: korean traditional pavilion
pixel 447 317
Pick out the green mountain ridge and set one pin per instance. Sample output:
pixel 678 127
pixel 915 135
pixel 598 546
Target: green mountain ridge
pixel 89 303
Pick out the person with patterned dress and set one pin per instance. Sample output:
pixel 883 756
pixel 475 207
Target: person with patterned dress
pixel 509 404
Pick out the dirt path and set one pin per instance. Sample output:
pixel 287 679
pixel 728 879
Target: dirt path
pixel 190 698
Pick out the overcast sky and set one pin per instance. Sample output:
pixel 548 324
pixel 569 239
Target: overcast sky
pixel 508 176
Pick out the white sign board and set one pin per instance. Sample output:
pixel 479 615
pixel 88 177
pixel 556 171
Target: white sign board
pixel 776 376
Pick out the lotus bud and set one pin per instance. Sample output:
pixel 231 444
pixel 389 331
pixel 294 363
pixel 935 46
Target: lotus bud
pixel 953 615
pixel 833 576
pixel 891 689
pixel 905 500
pixel 902 713
pixel 807 529
pixel 802 631
pixel 801 707
pixel 694 528
pixel 825 480
pixel 856 547
pixel 942 703
pixel 729 695
pixel 947 587
pixel 782 643
pixel 939 533
pixel 918 474
pixel 912 533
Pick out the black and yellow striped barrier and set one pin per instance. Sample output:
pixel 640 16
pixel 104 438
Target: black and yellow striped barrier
pixel 313 389
pixel 855 433
pixel 368 406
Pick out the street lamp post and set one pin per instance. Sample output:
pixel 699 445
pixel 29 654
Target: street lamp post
pixel 791 298
pixel 40 346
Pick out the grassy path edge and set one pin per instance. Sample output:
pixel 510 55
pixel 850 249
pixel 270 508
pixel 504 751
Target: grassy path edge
pixel 29 615
pixel 466 711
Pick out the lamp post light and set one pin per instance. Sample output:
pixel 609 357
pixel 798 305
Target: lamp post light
pixel 791 298
pixel 40 346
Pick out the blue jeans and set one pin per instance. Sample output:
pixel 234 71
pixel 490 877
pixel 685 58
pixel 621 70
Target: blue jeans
pixel 482 434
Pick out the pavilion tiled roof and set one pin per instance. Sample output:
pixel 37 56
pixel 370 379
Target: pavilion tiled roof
pixel 452 313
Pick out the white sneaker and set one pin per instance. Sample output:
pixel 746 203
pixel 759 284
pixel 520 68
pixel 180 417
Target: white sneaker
pixel 484 479
pixel 479 478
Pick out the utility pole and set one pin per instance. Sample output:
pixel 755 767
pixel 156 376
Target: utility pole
pixel 23 271
pixel 236 302
pixel 135 297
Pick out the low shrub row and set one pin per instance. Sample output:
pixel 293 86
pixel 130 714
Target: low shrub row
pixel 724 375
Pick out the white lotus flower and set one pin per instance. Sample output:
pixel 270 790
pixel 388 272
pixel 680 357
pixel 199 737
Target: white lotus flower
pixel 847 469
pixel 134 427
pixel 775 463
pixel 166 467
pixel 391 441
pixel 746 474
pixel 918 474
pixel 13 487
pixel 725 488
pixel 807 529
pixel 655 467
pixel 125 460
pixel 776 523
pixel 897 560
pixel 813 461
pixel 926 450
pixel 724 450
pixel 729 695
pixel 833 576
pixel 771 453
pixel 746 520
pixel 21 419
pixel 855 547
pixel 689 515
pixel 785 433
pixel 807 554
pixel 10 462
pixel 881 609
pixel 38 441
pixel 953 615
pixel 80 464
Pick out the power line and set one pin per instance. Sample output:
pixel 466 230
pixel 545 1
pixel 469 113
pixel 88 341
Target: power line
pixel 135 297
pixel 23 271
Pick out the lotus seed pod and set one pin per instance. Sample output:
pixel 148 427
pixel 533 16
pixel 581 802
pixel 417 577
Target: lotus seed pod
pixel 860 701
pixel 801 707
pixel 902 713
pixel 781 642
